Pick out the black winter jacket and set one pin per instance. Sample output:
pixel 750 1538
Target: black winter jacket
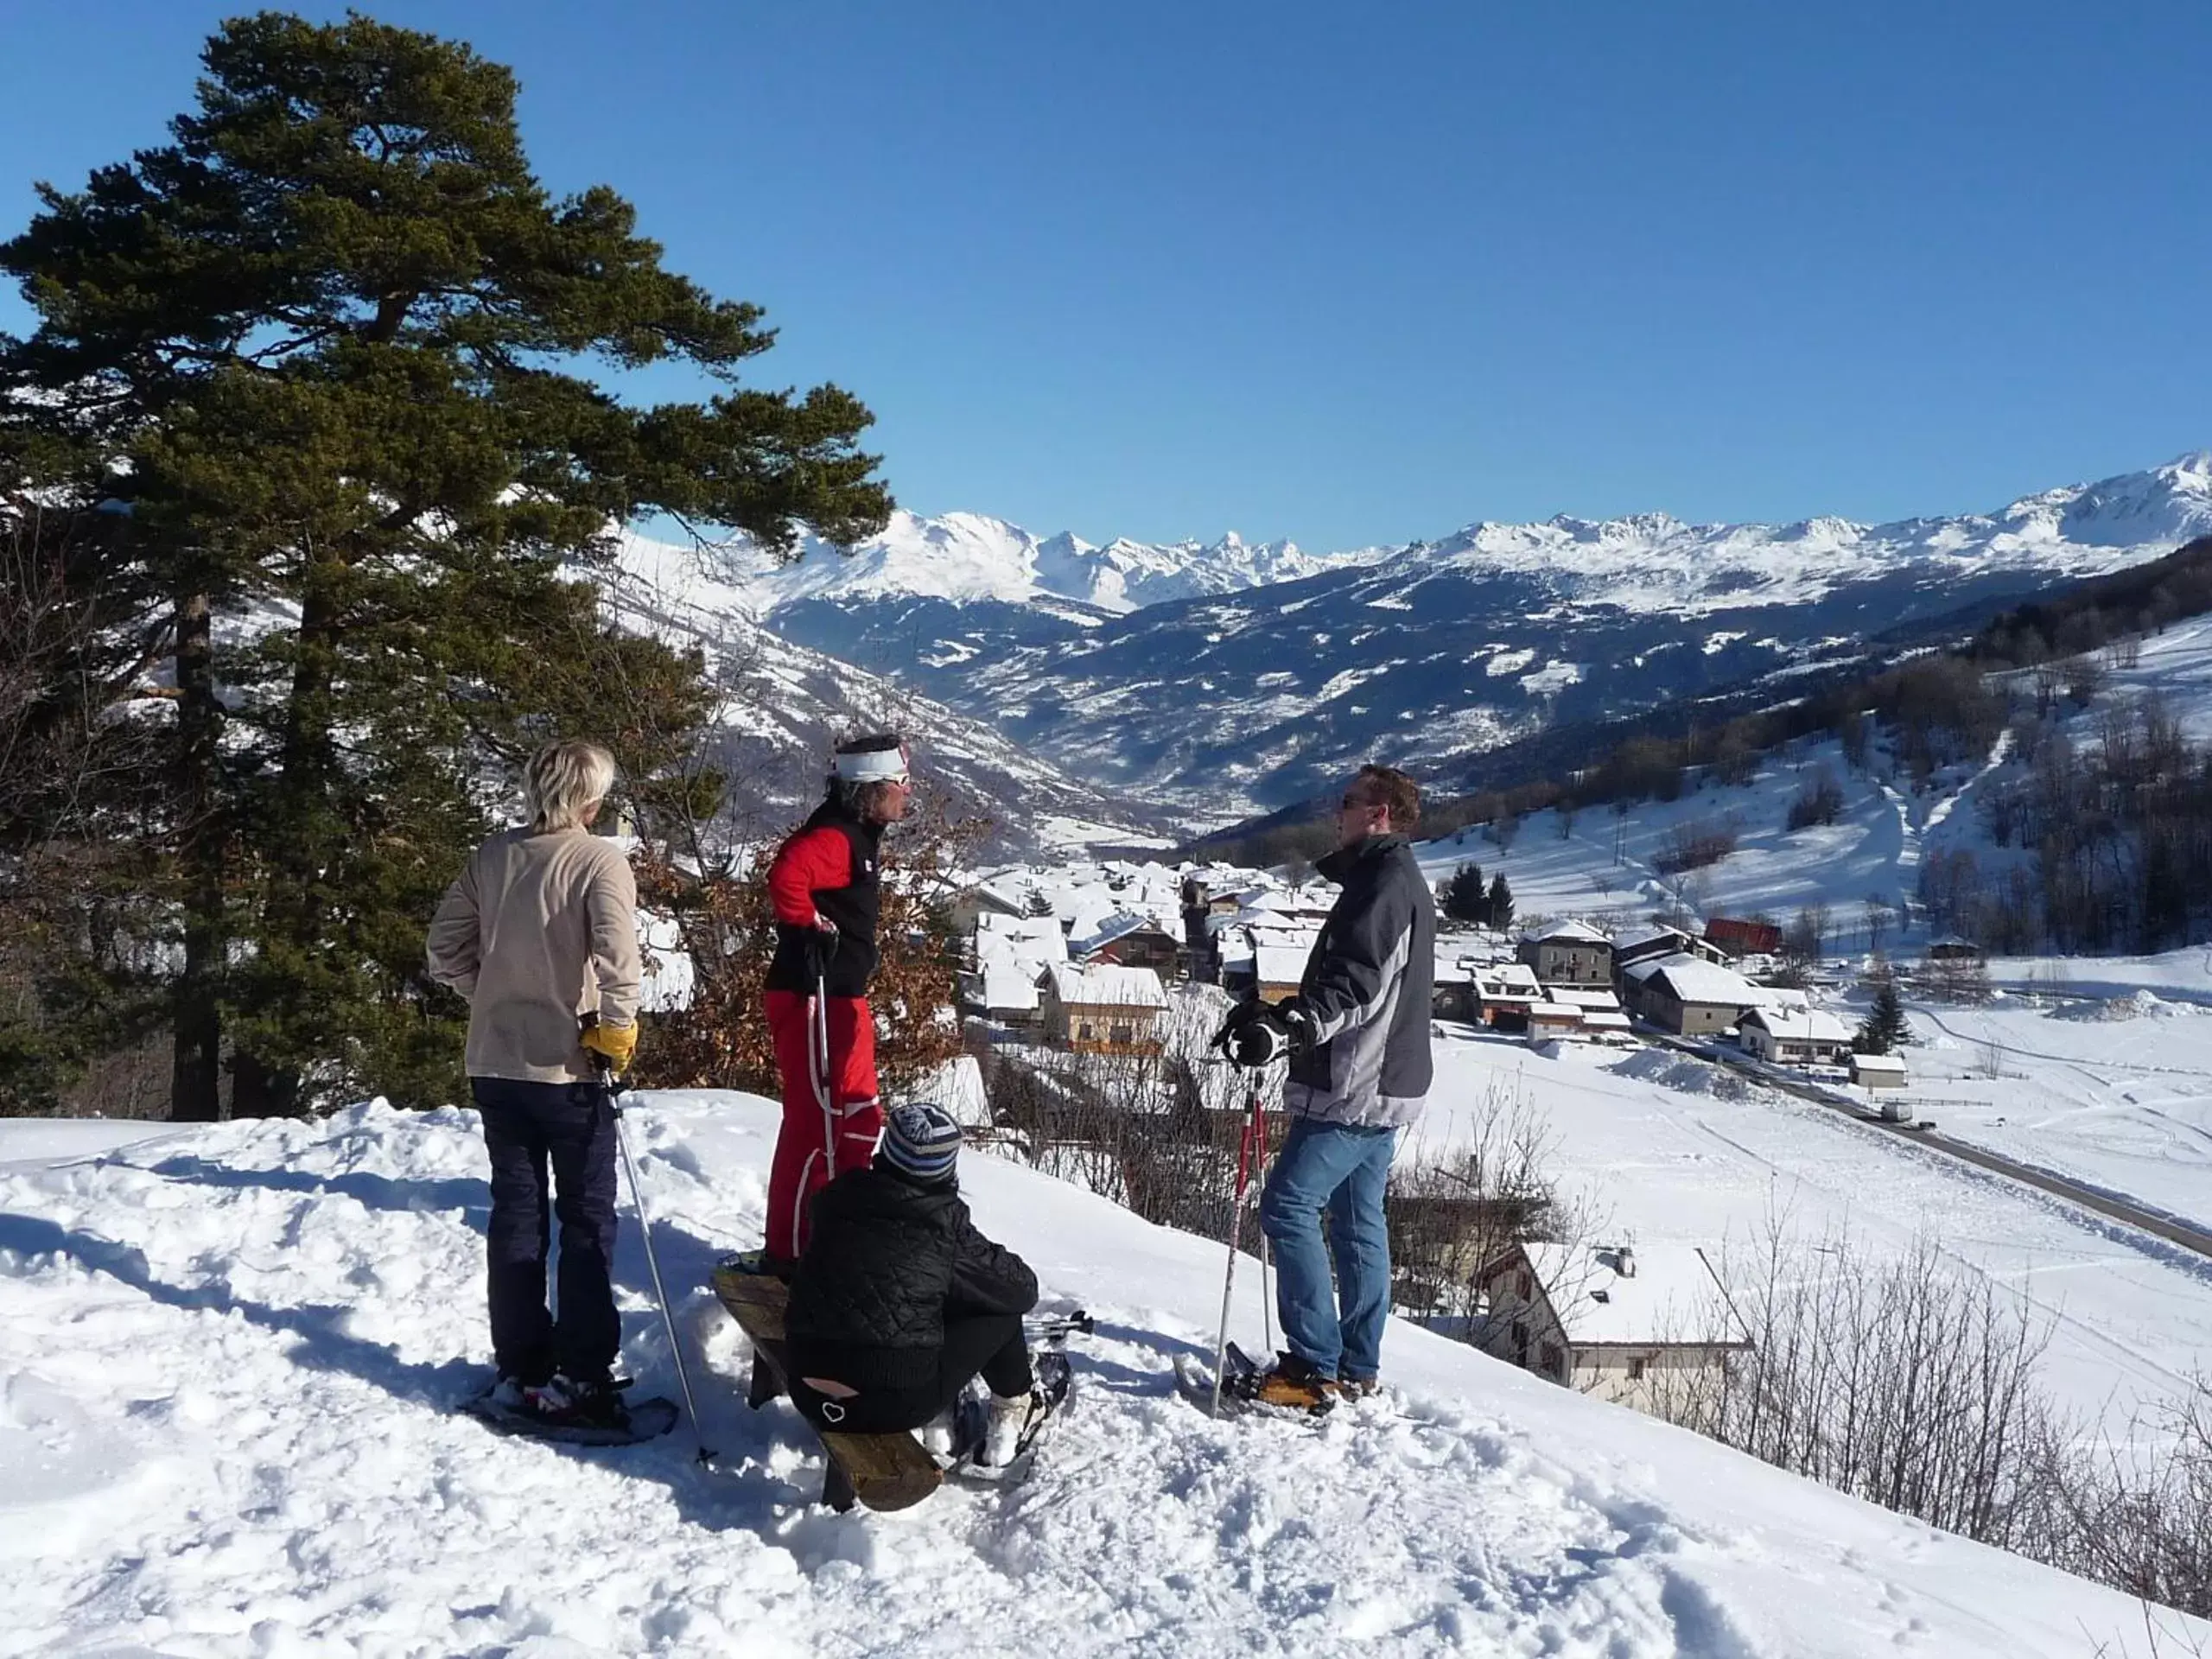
pixel 886 1260
pixel 1368 987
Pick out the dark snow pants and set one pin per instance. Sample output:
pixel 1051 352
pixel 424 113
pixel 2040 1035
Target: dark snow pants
pixel 569 1126
pixel 991 1343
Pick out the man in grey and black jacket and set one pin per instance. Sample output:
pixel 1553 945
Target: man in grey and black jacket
pixel 1360 1067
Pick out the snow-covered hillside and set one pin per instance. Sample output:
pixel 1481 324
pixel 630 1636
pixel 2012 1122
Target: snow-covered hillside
pixel 1245 697
pixel 1604 864
pixel 787 705
pixel 227 1428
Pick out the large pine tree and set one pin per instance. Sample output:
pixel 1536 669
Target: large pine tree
pixel 331 351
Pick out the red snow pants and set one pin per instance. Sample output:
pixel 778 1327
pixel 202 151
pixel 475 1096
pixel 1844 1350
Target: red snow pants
pixel 830 1120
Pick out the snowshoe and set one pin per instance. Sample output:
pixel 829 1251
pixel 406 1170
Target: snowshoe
pixel 606 1420
pixel 1242 1381
pixel 1018 1424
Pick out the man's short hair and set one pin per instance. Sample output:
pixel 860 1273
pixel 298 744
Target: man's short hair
pixel 562 780
pixel 1387 786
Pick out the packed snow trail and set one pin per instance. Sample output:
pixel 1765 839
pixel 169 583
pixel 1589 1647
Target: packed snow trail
pixel 227 1428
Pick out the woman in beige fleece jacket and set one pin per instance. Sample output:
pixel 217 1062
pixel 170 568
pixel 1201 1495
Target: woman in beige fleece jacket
pixel 540 935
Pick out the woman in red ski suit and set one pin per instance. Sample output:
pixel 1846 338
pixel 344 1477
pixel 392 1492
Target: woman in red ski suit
pixel 823 885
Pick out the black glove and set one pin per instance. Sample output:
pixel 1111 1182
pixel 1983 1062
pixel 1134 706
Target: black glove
pixel 821 952
pixel 817 947
pixel 1254 1035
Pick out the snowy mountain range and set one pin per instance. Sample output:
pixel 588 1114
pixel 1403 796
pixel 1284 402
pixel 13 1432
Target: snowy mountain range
pixel 1223 679
pixel 964 558
pixel 783 706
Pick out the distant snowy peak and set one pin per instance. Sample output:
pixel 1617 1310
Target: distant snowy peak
pixel 969 556
pixel 1654 561
pixel 1646 561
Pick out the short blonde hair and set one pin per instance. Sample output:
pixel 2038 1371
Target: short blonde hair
pixel 563 781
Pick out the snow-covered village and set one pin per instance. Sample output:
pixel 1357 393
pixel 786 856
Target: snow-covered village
pixel 691 963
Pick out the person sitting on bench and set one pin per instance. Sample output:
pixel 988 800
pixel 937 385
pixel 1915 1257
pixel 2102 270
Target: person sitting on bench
pixel 898 1301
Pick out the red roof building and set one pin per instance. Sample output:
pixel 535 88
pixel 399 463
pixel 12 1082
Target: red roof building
pixel 1742 938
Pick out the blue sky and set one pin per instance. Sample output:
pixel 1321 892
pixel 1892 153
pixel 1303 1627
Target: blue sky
pixel 1357 275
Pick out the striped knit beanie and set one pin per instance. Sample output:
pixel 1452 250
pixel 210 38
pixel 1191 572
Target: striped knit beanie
pixel 922 1142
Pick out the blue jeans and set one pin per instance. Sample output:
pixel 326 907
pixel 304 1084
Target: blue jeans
pixel 1341 1168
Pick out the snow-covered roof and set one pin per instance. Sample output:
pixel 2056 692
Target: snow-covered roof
pixel 1029 953
pixel 1018 927
pixel 1119 926
pixel 1584 996
pixel 1673 1296
pixel 990 892
pixel 1892 1064
pixel 1788 997
pixel 1636 937
pixel 1106 984
pixel 1575 931
pixel 1515 979
pixel 1009 987
pixel 1604 1019
pixel 1693 979
pixel 1559 1013
pixel 1801 1025
pixel 1280 964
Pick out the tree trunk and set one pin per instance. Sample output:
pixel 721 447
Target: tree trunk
pixel 196 1090
pixel 299 848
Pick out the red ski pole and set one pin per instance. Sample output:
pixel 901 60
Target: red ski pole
pixel 1229 1279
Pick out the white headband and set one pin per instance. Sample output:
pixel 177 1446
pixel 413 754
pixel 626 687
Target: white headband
pixel 873 766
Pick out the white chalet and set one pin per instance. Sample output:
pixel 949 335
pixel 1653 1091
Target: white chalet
pixel 1617 1321
pixel 1795 1036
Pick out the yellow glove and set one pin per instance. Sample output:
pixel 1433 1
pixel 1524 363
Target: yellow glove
pixel 617 1043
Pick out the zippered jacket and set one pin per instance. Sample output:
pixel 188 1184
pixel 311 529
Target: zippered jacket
pixel 1367 990
pixel 540 929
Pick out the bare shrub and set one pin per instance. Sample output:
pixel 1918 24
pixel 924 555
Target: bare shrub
pixel 1157 1132
pixel 1695 844
pixel 1450 1220
pixel 719 1040
pixel 2146 1529
pixel 1895 1379
pixel 1819 802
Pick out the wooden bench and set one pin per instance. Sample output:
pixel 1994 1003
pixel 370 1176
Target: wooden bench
pixel 882 1471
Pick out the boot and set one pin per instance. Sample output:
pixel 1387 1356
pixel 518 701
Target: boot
pixel 1015 1418
pixel 1358 1388
pixel 1296 1383
pixel 583 1402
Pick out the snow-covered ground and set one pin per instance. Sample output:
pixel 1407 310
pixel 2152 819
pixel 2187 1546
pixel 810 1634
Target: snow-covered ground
pixel 1608 867
pixel 1670 1149
pixel 225 1429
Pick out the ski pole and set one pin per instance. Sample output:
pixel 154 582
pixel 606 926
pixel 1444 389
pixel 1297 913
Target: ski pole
pixel 1229 1279
pixel 818 1042
pixel 1055 1329
pixel 615 1090
pixel 1266 1289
